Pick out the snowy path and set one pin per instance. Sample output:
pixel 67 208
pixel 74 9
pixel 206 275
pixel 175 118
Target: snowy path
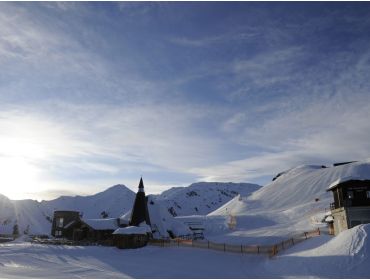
pixel 345 256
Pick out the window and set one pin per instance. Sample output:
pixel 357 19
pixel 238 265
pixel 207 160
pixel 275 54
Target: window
pixel 60 222
pixel 350 194
pixel 368 194
pixel 58 233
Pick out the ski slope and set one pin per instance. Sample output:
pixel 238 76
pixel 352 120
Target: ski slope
pixel 296 201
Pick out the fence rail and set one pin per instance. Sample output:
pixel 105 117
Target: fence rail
pixel 71 242
pixel 270 250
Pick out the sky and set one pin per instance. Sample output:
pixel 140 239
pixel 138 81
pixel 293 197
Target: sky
pixel 94 94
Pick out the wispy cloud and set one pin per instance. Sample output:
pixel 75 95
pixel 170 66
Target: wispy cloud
pixel 95 95
pixel 225 38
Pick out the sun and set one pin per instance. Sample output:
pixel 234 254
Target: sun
pixel 18 177
pixel 19 174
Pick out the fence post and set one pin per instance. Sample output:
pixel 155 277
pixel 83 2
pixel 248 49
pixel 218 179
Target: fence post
pixel 258 249
pixel 241 248
pixel 305 234
pixel 318 230
pixel 292 241
pixel 178 242
pixel 224 247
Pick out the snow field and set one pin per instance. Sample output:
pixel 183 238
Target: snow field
pixel 344 256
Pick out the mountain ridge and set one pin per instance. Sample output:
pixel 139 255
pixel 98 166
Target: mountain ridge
pixel 114 202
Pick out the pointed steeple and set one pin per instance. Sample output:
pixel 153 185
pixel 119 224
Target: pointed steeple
pixel 140 209
pixel 141 185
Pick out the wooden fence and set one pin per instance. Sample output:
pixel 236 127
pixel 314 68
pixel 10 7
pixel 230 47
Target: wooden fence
pixel 71 242
pixel 270 250
pixel 6 237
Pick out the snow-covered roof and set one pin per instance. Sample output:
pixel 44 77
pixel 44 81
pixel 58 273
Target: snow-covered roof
pixel 132 230
pixel 329 219
pixel 102 224
pixel 344 179
pixel 125 218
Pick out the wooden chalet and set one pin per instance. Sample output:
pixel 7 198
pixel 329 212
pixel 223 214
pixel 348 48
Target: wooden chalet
pixel 131 237
pixel 62 221
pixel 69 225
pixel 351 205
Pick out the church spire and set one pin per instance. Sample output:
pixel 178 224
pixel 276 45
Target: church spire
pixel 141 185
pixel 140 209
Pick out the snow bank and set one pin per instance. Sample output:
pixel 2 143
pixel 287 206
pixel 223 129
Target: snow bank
pixel 349 243
pixel 344 256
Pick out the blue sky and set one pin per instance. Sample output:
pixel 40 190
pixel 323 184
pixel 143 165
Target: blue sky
pixel 95 94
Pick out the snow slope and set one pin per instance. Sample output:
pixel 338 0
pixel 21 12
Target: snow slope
pixel 203 197
pixel 344 256
pixel 36 216
pixel 162 221
pixel 26 213
pixel 295 202
pixel 114 201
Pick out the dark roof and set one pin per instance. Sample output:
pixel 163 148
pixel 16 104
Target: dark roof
pixel 347 180
pixel 140 209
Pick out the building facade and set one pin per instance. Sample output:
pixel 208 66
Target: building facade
pixel 351 205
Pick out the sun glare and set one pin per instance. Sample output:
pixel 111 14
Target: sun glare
pixel 18 179
pixel 19 176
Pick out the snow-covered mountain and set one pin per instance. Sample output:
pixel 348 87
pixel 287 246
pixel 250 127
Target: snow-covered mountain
pixel 35 217
pixel 27 214
pixel 203 197
pixel 198 198
pixel 112 202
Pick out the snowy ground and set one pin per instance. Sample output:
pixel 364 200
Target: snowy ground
pixel 345 256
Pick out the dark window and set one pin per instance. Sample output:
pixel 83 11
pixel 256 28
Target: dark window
pixel 350 194
pixel 368 194
pixel 60 222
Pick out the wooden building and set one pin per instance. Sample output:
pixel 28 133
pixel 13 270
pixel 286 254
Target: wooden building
pixel 95 230
pixel 131 237
pixel 69 225
pixel 138 232
pixel 62 221
pixel 351 205
pixel 132 230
